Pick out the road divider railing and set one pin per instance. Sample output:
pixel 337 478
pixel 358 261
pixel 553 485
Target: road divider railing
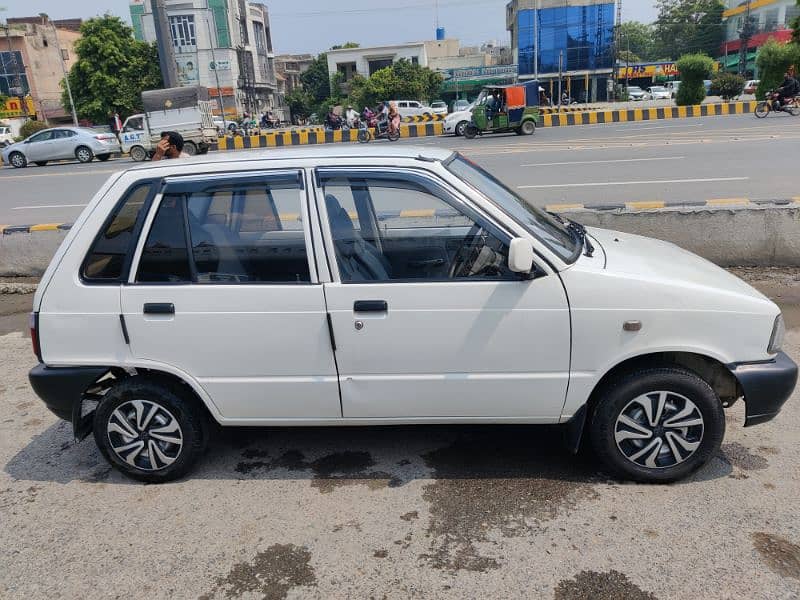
pixel 727 231
pixel 549 110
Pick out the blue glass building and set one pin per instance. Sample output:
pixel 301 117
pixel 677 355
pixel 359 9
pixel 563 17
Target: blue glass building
pixel 581 32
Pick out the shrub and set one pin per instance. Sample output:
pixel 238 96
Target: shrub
pixel 694 68
pixel 773 59
pixel 30 127
pixel 727 85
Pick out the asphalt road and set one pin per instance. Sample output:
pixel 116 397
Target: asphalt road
pixel 673 161
pixel 407 512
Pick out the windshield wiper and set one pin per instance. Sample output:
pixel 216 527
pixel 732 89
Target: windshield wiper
pixel 580 234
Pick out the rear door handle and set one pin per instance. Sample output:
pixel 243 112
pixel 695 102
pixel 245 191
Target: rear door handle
pixel 159 308
pixel 370 306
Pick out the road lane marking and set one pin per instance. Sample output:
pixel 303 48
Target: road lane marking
pixel 591 162
pixel 645 182
pixel 658 127
pixel 77 172
pixel 48 206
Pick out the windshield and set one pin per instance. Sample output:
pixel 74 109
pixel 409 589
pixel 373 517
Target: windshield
pixel 633 88
pixel 658 89
pixel 536 221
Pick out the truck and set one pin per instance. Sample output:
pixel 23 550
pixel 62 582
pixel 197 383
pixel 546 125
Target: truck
pixel 186 110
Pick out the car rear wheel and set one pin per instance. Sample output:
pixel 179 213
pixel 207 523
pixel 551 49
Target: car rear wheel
pixel 138 154
pixel 150 430
pixel 84 154
pixel 657 425
pixel 528 128
pixel 18 160
pixel 103 157
pixel 460 127
pixel 41 163
pixel 190 148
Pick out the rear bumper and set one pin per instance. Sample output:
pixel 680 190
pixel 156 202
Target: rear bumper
pixel 61 388
pixel 766 385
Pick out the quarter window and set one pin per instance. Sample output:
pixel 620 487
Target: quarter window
pixel 110 254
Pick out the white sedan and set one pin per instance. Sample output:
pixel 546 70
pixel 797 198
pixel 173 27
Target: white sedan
pixel 61 143
pixel 659 92
pixel 456 122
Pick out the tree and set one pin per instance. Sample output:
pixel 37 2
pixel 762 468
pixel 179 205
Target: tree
pixel 796 28
pixel 346 46
pixel 773 60
pixel 299 102
pixel 694 68
pixel 688 26
pixel 111 71
pixel 30 127
pixel 629 57
pixel 727 85
pixel 638 38
pixel 401 80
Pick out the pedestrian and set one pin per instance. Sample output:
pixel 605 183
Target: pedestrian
pixel 114 123
pixel 170 146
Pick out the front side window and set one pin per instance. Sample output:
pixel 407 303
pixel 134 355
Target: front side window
pixel 42 137
pixel 111 252
pixel 399 230
pixel 239 233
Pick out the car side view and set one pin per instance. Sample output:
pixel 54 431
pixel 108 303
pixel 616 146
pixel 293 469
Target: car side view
pixel 388 285
pixel 61 143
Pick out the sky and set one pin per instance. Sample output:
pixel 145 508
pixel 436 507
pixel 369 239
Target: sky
pixel 319 24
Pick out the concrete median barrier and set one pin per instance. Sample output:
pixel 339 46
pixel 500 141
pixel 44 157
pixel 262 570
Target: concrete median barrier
pixel 727 231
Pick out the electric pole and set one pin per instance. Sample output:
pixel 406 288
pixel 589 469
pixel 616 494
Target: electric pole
pixel 744 40
pixel 166 52
pixel 64 72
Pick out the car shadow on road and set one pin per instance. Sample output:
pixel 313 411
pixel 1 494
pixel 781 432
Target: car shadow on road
pixel 331 457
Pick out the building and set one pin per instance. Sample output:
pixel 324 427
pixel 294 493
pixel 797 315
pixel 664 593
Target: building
pixel 575 44
pixel 33 49
pixel 290 67
pixel 224 45
pixel 769 19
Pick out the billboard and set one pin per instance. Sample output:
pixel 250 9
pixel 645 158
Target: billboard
pixel 188 73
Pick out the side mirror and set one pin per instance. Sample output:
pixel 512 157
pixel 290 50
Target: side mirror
pixel 520 255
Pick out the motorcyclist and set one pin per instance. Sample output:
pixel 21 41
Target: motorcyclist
pixel 352 117
pixel 332 120
pixel 394 117
pixel 788 89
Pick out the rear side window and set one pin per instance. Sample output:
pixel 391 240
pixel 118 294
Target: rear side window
pixel 110 255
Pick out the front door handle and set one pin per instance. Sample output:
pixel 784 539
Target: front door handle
pixel 159 308
pixel 370 306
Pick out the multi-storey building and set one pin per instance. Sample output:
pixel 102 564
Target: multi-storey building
pixel 224 45
pixel 575 44
pixel 768 19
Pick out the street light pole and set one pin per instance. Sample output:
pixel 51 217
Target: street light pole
pixel 536 39
pixel 216 66
pixel 66 75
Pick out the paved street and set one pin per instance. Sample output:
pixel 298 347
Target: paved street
pixel 673 161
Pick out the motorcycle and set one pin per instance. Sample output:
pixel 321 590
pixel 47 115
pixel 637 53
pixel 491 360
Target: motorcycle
pixel 771 103
pixel 381 127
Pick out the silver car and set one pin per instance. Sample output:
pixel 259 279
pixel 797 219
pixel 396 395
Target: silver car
pixel 61 143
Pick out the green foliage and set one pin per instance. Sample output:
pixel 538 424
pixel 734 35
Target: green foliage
pixel 346 46
pixel 688 26
pixel 773 59
pixel 316 79
pixel 299 103
pixel 694 68
pixel 401 80
pixel 112 70
pixel 639 39
pixel 796 28
pixel 629 57
pixel 30 127
pixel 727 85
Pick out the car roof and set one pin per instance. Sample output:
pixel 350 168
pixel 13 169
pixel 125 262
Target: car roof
pixel 321 152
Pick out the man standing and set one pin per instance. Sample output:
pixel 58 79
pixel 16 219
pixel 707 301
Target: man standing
pixel 170 146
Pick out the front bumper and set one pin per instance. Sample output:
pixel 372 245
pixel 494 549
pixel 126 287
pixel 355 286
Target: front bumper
pixel 62 388
pixel 766 386
pixel 449 127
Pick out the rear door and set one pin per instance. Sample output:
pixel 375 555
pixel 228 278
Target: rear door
pixel 226 291
pixel 63 145
pixel 429 322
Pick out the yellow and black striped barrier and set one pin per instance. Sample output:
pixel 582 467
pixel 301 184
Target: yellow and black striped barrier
pixel 423 118
pixel 549 110
pixel 647 114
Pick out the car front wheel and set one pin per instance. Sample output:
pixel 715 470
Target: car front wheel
pixel 150 430
pixel 461 127
pixel 657 425
pixel 18 160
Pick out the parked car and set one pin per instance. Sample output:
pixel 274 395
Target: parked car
pixel 5 137
pixel 637 93
pixel 412 108
pixel 61 143
pixel 456 122
pixel 751 86
pixel 461 104
pixel 707 85
pixel 439 107
pixel 190 292
pixel 224 125
pixel 659 92
pixel 673 87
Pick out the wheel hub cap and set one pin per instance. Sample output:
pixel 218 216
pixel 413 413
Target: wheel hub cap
pixel 659 429
pixel 145 435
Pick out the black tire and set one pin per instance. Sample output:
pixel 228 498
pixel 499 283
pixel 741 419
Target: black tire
pixel 138 154
pixel 762 110
pixel 793 110
pixel 190 148
pixel 528 128
pixel 460 127
pixel 18 160
pixel 103 157
pixel 41 163
pixel 364 136
pixel 175 402
pixel 470 131
pixel 393 136
pixel 84 154
pixel 621 393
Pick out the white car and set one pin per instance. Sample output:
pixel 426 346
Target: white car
pixel 61 143
pixel 636 93
pixel 659 92
pixel 351 286
pixel 412 108
pixel 456 122
pixel 6 138
pixel 439 108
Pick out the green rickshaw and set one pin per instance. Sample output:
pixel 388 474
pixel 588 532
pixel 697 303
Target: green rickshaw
pixel 505 108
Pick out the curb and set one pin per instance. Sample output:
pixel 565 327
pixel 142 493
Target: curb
pixel 648 114
pixel 657 204
pixel 549 110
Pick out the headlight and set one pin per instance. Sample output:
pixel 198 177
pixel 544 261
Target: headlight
pixel 776 339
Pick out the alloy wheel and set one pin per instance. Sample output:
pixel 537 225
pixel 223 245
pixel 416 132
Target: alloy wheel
pixel 17 160
pixel 145 435
pixel 659 429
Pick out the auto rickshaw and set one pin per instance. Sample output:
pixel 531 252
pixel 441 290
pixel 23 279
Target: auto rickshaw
pixel 505 108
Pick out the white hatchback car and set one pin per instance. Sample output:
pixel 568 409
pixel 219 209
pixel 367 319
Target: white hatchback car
pixel 412 108
pixel 374 286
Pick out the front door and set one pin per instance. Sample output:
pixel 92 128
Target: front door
pixel 39 147
pixel 428 320
pixel 226 292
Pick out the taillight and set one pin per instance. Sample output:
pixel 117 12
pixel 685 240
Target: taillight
pixel 33 322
